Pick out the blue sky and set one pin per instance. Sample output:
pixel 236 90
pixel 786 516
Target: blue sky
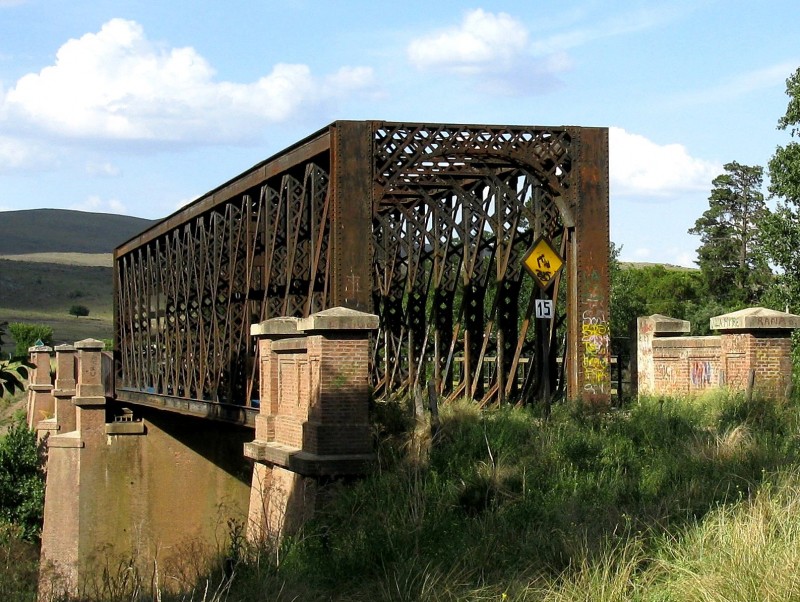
pixel 140 107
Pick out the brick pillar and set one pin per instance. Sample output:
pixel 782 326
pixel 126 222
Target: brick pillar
pixel 313 421
pixel 90 399
pixel 756 343
pixel 649 328
pixel 73 471
pixel 41 405
pixel 66 373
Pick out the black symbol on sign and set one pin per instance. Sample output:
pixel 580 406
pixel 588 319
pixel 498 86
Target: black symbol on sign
pixel 541 262
pixel 543 276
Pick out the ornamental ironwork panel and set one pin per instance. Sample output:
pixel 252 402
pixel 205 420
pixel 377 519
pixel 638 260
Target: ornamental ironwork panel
pixel 424 224
pixel 456 210
pixel 187 298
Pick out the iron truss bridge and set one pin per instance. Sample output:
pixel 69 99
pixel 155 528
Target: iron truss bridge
pixel 425 225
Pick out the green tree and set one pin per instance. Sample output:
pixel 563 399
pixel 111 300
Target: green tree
pixel 627 303
pixel 735 273
pixel 78 311
pixel 26 335
pixel 781 229
pixel 22 480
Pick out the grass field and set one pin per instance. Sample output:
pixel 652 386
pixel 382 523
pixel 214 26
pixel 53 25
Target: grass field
pixel 42 293
pixel 105 260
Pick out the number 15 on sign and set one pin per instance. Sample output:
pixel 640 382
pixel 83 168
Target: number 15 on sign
pixel 544 309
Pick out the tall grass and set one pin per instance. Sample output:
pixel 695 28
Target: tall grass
pixel 669 499
pixel 502 502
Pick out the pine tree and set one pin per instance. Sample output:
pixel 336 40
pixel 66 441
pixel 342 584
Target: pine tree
pixel 734 272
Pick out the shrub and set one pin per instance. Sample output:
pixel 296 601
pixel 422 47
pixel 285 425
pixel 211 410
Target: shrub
pixel 11 374
pixel 21 480
pixel 25 336
pixel 78 311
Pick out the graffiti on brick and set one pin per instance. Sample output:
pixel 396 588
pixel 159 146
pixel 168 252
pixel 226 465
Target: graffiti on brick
pixel 666 373
pixel 701 373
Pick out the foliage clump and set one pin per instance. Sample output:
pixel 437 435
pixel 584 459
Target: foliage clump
pixel 78 311
pixel 12 374
pixel 26 335
pixel 21 481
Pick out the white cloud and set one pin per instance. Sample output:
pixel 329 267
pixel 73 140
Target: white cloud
pixel 478 44
pixel 492 48
pixel 117 84
pixel 603 26
pixel 102 169
pixel 738 85
pixel 183 202
pixel 95 204
pixel 687 259
pixel 17 155
pixel 641 167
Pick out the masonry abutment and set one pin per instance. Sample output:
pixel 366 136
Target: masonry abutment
pixel 313 423
pixel 751 353
pixel 110 486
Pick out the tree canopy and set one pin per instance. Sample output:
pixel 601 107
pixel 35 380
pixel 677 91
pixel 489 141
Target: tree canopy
pixel 781 229
pixel 734 272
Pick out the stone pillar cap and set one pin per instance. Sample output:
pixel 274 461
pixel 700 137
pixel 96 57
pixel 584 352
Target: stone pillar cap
pixel 664 325
pixel 40 349
pixel 65 347
pixel 339 318
pixel 283 325
pixel 755 318
pixel 90 344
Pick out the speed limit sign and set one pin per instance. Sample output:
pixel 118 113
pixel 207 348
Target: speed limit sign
pixel 544 309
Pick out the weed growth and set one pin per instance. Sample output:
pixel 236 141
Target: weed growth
pixel 669 499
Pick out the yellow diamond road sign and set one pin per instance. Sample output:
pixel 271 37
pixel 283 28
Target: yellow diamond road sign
pixel 543 262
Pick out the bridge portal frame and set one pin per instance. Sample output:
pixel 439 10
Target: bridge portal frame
pixel 417 223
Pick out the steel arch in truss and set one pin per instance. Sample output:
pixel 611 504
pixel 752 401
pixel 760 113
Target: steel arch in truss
pixel 424 224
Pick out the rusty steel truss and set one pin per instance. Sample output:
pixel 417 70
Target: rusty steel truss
pixel 424 224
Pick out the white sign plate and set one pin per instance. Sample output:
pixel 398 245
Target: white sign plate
pixel 544 309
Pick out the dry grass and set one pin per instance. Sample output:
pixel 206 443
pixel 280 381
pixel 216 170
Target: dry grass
pixel 104 260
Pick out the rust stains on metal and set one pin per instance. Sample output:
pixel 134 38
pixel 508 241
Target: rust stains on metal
pixel 424 224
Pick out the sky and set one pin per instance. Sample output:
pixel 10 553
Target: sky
pixel 139 107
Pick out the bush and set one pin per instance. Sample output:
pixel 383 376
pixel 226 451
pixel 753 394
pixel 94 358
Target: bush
pixel 78 311
pixel 25 336
pixel 22 480
pixel 11 374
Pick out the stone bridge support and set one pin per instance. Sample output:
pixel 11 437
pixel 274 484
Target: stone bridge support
pixel 313 423
pixel 143 488
pixel 751 353
pixel 41 405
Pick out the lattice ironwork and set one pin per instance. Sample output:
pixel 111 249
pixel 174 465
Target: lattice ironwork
pixel 187 298
pixel 457 210
pixel 435 219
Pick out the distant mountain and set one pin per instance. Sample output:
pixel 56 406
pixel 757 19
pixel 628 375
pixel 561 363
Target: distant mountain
pixel 65 231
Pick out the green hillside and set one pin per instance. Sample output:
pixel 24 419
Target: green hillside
pixel 65 231
pixel 65 268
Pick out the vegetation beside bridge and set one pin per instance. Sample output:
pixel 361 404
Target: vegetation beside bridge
pixel 667 499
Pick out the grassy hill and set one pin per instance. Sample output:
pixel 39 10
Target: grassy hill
pixel 51 259
pixel 64 231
